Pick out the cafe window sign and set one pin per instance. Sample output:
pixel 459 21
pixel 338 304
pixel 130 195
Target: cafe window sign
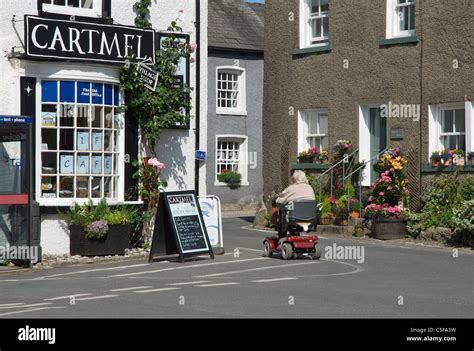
pixel 74 40
pixel 81 132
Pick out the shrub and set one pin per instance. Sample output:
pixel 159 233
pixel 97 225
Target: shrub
pixel 326 207
pixel 229 177
pixel 97 230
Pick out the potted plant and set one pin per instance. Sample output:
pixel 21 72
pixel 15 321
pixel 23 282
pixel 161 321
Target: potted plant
pixel 436 158
pixel 229 177
pixel 342 211
pixel 307 156
pixel 447 158
pixel 470 156
pixel 324 156
pixel 97 230
pixel 341 149
pixel 355 207
pixel 388 196
pixel 359 229
pixel 458 157
pixel 325 212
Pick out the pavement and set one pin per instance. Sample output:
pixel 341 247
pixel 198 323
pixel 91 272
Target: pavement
pixel 364 279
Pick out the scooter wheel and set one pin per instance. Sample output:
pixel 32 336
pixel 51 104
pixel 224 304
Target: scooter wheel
pixel 267 252
pixel 287 251
pixel 317 253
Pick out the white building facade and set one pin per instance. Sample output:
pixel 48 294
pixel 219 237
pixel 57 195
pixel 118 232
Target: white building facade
pixel 61 65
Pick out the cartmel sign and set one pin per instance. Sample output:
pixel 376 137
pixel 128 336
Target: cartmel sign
pixel 75 40
pixel 179 227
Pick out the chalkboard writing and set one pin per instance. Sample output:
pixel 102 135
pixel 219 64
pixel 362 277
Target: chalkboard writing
pixel 183 220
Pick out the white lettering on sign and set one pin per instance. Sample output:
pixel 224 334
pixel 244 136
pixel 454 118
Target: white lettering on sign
pixel 33 36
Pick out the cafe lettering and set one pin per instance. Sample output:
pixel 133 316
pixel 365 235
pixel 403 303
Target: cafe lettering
pixel 87 41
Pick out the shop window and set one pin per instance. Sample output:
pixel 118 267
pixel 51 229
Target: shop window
pixel 81 140
pixel 88 8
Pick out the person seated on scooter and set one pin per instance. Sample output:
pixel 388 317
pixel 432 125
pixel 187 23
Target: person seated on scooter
pixel 298 190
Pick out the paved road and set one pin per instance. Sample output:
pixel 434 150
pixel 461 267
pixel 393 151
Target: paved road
pixel 391 282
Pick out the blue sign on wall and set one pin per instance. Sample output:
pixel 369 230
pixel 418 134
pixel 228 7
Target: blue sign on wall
pixel 200 155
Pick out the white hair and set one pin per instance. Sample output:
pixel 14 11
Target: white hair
pixel 299 177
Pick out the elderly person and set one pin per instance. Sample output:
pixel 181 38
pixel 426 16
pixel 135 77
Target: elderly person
pixel 299 190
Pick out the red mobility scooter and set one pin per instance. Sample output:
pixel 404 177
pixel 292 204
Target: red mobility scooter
pixel 295 218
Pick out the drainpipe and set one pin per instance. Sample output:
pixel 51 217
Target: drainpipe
pixel 198 92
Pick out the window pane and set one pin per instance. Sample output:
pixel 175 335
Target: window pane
pixel 97 187
pixel 108 117
pixel 460 121
pixel 323 124
pixel 66 139
pixel 49 163
pixel 73 3
pixel 324 5
pixel 447 122
pixel 316 28
pixel 60 2
pixel 49 139
pixel 411 17
pixel 49 116
pixel 83 116
pixel 314 6
pixel 108 187
pixel 97 112
pixel 82 187
pixel 66 115
pixel 108 141
pixel 48 187
pixel 313 124
pixel 87 4
pixel 66 187
pixel 325 26
pixel 83 164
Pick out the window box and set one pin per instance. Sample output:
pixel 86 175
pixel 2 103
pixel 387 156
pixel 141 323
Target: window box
pixel 114 243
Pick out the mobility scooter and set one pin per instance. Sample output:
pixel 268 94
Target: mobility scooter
pixel 295 218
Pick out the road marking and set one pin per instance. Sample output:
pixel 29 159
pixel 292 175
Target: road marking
pixel 186 267
pixel 155 290
pixel 31 280
pixel 30 305
pixel 248 249
pixel 31 310
pixel 217 284
pixel 12 304
pixel 66 297
pixel 190 283
pixel 253 269
pixel 272 280
pixel 133 288
pixel 97 270
pixel 96 297
pixel 9 280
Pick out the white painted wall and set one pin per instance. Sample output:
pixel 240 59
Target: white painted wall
pixel 176 147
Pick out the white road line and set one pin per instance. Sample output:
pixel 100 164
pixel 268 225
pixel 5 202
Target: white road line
pixel 217 284
pixel 132 288
pixel 190 283
pixel 97 270
pixel 155 290
pixel 66 297
pixel 186 267
pixel 96 297
pixel 272 280
pixel 249 249
pixel 32 310
pixel 9 280
pixel 30 305
pixel 253 269
pixel 12 304
pixel 31 280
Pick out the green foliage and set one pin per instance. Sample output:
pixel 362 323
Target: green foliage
pixel 266 220
pixel 463 218
pixel 84 215
pixel 326 207
pixel 229 177
pixel 342 208
pixel 143 13
pixel 119 217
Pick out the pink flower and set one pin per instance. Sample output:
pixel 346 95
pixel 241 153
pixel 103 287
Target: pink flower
pixel 155 163
pixel 381 193
pixel 193 47
pixel 369 198
pixel 389 188
pixel 331 200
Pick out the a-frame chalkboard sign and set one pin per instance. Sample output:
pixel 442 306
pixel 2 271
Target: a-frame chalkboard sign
pixel 179 227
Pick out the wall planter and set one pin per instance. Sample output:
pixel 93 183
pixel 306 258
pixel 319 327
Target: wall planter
pixel 388 228
pixel 114 243
pixel 326 220
pixel 305 159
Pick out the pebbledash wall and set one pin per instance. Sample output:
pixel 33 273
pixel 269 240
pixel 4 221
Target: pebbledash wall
pixel 361 66
pixel 176 147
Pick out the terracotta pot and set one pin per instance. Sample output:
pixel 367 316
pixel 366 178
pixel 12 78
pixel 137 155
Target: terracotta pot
pixel 435 163
pixel 355 214
pixel 359 232
pixel 325 220
pixel 343 221
pixel 333 214
pixel 448 162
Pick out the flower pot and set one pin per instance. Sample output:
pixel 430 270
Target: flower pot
pixel 325 220
pixel 333 214
pixel 459 161
pixel 447 162
pixel 355 214
pixel 359 232
pixel 342 221
pixel 114 243
pixel 305 159
pixel 435 163
pixel 388 228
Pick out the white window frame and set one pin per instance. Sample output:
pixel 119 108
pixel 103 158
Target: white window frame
pixel 305 26
pixel 96 10
pixel 53 202
pixel 435 113
pixel 303 128
pixel 392 28
pixel 244 162
pixel 241 109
